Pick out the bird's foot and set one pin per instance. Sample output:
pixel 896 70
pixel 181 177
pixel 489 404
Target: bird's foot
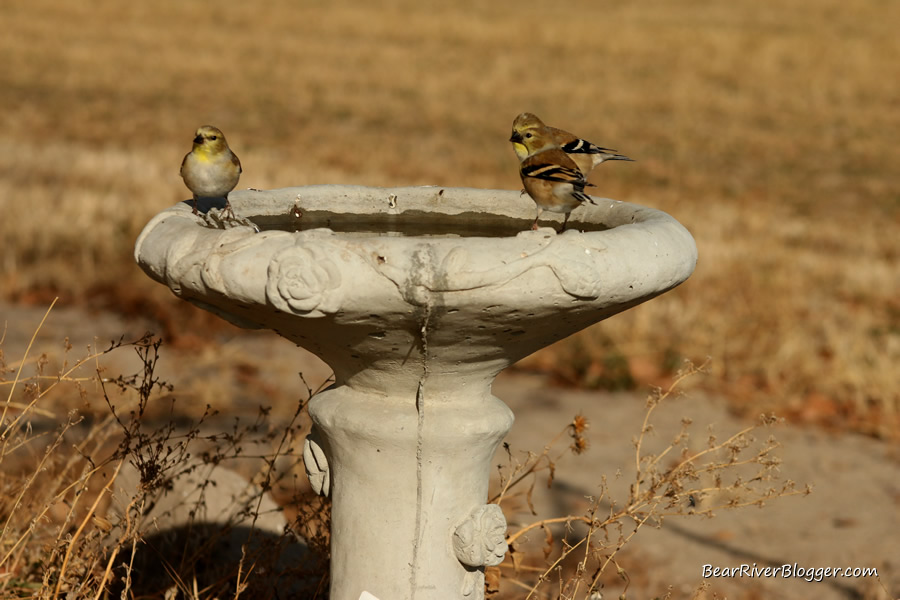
pixel 225 218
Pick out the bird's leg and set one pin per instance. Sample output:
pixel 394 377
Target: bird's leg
pixel 565 220
pixel 534 225
pixel 195 204
pixel 228 212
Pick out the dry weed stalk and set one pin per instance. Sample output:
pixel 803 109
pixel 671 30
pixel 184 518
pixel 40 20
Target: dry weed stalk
pixel 690 483
pixel 56 539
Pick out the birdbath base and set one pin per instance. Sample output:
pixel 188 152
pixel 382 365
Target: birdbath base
pixel 404 473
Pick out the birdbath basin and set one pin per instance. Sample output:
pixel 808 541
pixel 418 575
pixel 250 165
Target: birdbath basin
pixel 416 297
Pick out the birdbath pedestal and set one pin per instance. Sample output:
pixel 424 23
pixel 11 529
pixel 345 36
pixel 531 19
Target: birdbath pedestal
pixel 417 298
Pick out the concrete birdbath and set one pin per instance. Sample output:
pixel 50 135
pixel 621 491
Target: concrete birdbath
pixel 417 298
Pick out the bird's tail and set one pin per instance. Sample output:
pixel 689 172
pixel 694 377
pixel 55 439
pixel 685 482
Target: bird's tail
pixel 612 155
pixel 585 147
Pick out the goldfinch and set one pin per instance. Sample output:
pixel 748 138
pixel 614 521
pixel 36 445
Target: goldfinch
pixel 585 154
pixel 551 178
pixel 210 169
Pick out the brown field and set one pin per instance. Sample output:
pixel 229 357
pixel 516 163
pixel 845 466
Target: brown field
pixel 770 130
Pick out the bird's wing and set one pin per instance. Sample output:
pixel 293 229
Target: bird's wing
pixel 552 165
pixel 236 162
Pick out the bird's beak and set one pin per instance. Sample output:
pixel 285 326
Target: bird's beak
pixel 198 139
pixel 516 137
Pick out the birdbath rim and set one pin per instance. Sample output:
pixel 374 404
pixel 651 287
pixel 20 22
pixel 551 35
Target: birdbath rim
pixel 609 244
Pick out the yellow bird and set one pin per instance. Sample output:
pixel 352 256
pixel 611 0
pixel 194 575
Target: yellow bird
pixel 551 178
pixel 210 169
pixel 585 154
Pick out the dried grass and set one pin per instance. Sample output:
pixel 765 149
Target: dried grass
pixel 688 476
pixel 767 130
pixel 63 536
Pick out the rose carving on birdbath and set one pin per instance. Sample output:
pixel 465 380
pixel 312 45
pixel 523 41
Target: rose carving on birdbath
pixel 304 281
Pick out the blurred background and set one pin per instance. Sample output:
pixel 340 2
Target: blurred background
pixel 768 129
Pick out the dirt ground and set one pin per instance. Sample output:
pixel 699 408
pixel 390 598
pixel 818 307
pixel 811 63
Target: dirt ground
pixel 851 518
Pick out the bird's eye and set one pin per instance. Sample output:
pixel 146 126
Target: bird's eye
pixel 212 137
pixel 528 135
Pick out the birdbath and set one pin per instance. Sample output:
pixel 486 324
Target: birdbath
pixel 417 297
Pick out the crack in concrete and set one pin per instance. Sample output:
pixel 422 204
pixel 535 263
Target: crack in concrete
pixel 420 429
